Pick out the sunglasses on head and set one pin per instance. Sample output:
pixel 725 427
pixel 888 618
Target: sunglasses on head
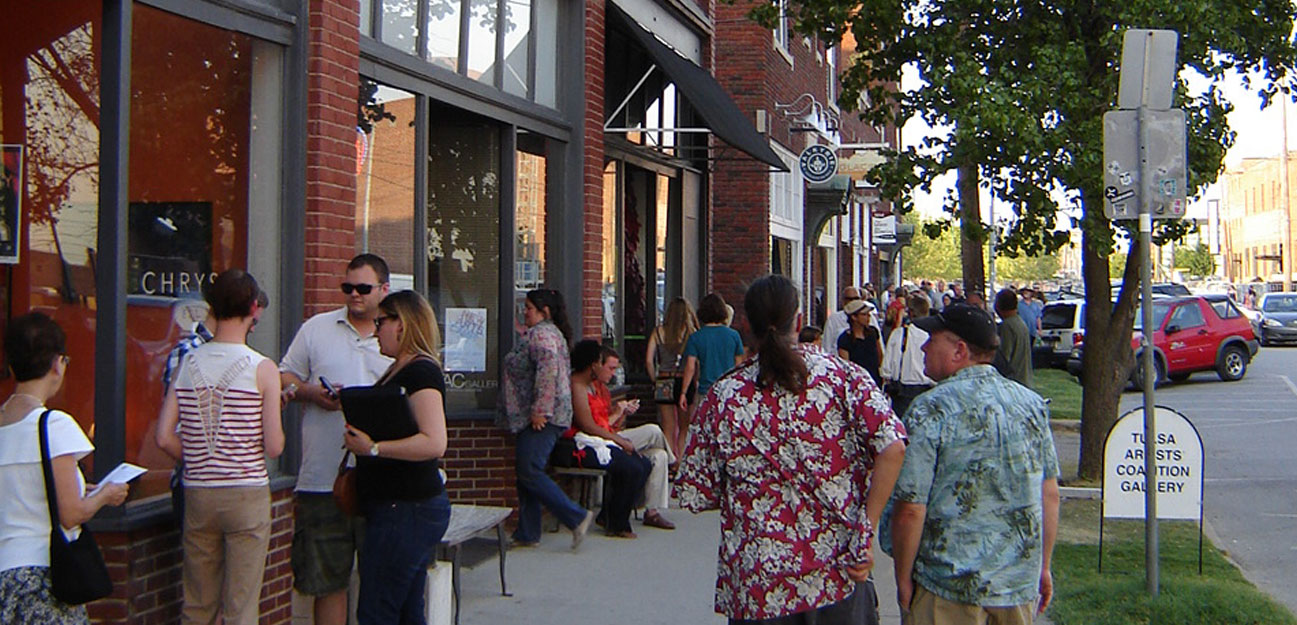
pixel 363 289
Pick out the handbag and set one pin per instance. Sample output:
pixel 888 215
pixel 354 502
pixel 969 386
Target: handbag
pixel 77 571
pixel 345 495
pixel 665 389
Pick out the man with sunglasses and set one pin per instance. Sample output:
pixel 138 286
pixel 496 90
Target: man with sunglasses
pixel 837 322
pixel 339 346
pixel 975 509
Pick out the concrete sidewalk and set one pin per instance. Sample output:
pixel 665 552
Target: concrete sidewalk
pixel 661 578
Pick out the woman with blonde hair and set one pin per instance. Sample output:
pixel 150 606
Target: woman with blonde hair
pixel 664 362
pixel 398 481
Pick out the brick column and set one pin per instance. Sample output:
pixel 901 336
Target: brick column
pixel 592 171
pixel 332 88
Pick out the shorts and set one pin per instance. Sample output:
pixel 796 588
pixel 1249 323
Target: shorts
pixel 324 545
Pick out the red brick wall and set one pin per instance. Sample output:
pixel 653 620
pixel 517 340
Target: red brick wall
pixel 592 172
pixel 146 564
pixel 479 464
pixel 332 86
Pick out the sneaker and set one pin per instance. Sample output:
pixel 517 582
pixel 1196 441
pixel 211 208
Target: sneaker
pixel 579 532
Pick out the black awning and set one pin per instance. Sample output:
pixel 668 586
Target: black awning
pixel 716 108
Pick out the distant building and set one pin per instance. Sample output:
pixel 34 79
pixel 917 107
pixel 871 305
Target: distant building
pixel 1252 219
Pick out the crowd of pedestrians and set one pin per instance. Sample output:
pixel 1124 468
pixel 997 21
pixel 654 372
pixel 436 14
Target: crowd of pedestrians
pixel 907 421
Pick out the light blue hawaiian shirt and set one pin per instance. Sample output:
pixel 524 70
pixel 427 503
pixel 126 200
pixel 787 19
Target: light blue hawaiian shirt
pixel 980 447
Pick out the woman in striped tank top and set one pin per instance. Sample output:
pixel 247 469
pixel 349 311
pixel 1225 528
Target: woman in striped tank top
pixel 225 402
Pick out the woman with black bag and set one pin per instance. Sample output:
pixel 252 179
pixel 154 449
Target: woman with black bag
pixel 35 349
pixel 664 362
pixel 398 481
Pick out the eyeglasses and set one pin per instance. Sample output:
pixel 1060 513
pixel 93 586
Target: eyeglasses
pixel 363 289
pixel 378 321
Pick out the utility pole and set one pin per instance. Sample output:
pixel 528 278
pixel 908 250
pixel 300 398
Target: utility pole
pixel 1285 242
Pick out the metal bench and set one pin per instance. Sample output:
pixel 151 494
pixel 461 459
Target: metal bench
pixel 467 522
pixel 589 482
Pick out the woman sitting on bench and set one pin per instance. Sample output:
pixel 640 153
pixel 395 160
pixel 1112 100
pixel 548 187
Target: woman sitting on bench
pixel 592 444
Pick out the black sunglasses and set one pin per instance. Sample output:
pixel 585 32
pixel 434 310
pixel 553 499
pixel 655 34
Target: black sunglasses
pixel 363 289
pixel 378 321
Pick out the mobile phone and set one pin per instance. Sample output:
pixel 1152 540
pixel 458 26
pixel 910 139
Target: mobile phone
pixel 328 388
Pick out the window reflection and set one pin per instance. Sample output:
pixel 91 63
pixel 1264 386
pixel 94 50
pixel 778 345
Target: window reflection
pixel 464 252
pixel 517 37
pixel 529 219
pixel 610 254
pixel 481 41
pixel 546 60
pixel 385 163
pixel 49 126
pixel 401 25
pixel 443 33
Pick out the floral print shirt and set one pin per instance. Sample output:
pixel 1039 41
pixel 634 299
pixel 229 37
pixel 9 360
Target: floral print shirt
pixel 980 447
pixel 789 473
pixel 536 379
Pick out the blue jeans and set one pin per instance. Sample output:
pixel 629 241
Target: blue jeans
pixel 400 537
pixel 535 487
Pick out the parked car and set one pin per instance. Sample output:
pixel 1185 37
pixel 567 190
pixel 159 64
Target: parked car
pixel 1278 322
pixel 1062 328
pixel 1190 334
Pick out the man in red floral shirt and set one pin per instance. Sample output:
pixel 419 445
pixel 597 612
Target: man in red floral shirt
pixel 799 450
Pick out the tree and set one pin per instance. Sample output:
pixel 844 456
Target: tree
pixel 1024 85
pixel 933 254
pixel 1196 260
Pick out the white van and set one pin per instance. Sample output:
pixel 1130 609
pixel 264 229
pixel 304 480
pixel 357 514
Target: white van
pixel 1062 327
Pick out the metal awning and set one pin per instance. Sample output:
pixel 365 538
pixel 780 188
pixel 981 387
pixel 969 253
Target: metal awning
pixel 709 100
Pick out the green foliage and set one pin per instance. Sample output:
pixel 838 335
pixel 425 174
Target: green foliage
pixel 1116 266
pixel 1220 596
pixel 934 254
pixel 1196 260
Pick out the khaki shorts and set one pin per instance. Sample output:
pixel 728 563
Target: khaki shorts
pixel 324 545
pixel 927 608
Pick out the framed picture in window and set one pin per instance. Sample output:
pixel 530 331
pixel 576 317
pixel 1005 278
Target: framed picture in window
pixel 11 197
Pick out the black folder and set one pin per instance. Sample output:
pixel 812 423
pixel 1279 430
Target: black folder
pixel 382 412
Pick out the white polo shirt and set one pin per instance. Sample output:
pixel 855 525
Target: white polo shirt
pixel 327 345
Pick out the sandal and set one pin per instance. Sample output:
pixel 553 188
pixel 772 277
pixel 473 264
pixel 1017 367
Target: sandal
pixel 623 534
pixel 655 519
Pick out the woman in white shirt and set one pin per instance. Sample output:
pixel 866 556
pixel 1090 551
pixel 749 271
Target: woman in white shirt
pixel 225 400
pixel 35 348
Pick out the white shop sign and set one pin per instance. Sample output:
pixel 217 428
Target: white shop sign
pixel 1178 466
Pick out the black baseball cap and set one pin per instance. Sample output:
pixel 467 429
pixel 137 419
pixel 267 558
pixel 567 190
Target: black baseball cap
pixel 968 322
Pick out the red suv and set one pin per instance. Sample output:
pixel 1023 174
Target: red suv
pixel 1196 334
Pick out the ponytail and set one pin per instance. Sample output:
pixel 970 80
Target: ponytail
pixel 553 300
pixel 771 307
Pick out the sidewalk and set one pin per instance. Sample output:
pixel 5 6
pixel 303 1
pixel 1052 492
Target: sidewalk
pixel 661 578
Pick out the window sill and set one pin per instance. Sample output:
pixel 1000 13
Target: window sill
pixel 784 53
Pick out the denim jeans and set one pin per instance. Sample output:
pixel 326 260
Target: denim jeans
pixel 535 487
pixel 400 537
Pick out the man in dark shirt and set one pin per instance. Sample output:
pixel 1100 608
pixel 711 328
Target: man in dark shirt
pixel 1015 340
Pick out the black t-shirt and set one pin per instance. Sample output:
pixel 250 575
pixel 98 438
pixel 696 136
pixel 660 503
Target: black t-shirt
pixel 388 479
pixel 863 352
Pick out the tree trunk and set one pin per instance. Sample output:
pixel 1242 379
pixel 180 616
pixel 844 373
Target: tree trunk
pixel 971 232
pixel 1108 358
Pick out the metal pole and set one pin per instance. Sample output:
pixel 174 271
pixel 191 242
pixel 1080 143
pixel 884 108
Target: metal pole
pixel 1285 243
pixel 1150 368
pixel 990 295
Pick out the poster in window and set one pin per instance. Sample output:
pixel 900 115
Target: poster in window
pixel 466 339
pixel 11 194
pixel 170 248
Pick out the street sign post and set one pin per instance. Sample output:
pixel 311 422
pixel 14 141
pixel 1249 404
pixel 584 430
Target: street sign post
pixel 1144 149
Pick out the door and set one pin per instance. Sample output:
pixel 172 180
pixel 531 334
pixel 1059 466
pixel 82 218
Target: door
pixel 1188 339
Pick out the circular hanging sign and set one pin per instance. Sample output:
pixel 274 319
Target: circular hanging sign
pixel 818 163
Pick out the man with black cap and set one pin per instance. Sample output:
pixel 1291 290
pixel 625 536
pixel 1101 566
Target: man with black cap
pixel 975 509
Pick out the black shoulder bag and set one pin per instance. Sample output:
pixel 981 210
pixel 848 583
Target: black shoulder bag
pixel 77 570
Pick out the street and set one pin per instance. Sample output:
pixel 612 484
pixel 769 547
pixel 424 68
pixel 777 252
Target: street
pixel 1250 491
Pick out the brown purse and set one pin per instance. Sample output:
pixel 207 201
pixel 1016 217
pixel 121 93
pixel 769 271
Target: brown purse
pixel 344 488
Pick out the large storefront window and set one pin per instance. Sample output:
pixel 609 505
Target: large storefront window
pixel 204 150
pixel 464 252
pixel 49 187
pixel 385 162
pixel 529 219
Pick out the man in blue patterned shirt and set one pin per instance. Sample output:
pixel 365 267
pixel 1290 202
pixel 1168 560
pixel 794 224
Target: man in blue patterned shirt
pixel 976 505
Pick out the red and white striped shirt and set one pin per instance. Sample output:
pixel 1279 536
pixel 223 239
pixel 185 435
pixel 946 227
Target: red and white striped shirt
pixel 220 416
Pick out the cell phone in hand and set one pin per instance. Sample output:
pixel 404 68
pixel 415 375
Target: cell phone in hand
pixel 329 389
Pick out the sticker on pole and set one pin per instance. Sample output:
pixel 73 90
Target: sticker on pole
pixel 1178 466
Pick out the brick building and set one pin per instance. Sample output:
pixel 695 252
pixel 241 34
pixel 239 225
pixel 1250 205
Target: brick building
pixel 1253 220
pixel 157 142
pixel 819 235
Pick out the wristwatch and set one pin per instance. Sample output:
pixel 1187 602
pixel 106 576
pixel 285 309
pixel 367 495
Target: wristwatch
pixel 373 450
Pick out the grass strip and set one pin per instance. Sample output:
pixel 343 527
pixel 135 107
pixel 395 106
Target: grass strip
pixel 1061 389
pixel 1220 596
